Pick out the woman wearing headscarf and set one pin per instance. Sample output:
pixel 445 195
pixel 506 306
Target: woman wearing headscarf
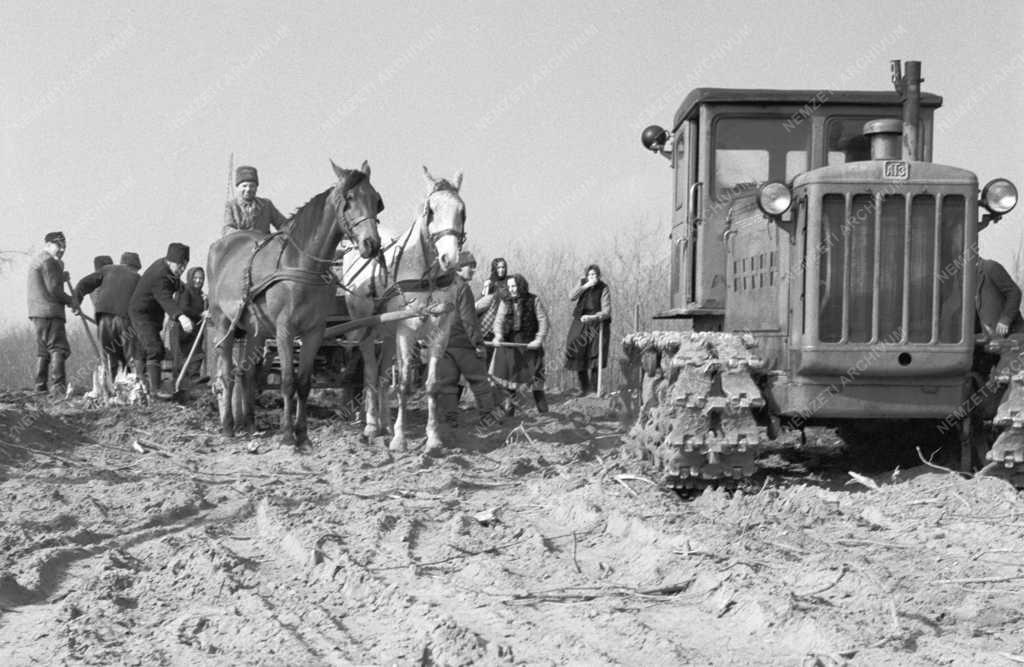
pixel 520 327
pixel 499 274
pixel 494 292
pixel 193 304
pixel 590 328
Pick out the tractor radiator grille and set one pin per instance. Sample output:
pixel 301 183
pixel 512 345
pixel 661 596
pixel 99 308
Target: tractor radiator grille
pixel 891 268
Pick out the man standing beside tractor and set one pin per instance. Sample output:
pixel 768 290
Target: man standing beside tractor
pixel 998 300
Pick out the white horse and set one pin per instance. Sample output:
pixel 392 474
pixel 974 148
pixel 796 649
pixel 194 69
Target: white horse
pixel 417 271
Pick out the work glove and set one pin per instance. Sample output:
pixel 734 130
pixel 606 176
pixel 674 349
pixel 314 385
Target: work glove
pixel 186 324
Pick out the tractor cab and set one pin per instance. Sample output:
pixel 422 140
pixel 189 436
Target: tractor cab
pixel 724 145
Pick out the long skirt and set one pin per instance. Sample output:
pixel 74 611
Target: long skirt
pixel 517 367
pixel 582 344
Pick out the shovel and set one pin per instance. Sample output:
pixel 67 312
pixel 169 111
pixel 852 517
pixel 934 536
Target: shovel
pixel 108 382
pixel 179 395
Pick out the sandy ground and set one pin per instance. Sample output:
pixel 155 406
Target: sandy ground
pixel 538 543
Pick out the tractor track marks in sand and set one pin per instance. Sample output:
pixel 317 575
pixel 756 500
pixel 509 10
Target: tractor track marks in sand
pixel 525 548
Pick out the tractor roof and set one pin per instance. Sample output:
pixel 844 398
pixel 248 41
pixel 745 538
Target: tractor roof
pixel 759 96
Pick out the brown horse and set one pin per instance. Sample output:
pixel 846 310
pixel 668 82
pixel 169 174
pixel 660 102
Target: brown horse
pixel 420 269
pixel 280 286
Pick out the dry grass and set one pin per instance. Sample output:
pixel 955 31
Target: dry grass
pixel 634 265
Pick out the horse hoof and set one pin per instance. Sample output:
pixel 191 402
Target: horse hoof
pixel 370 432
pixel 434 442
pixel 397 445
pixel 227 431
pixel 304 447
pixel 288 439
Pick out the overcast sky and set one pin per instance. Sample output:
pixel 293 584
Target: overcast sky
pixel 118 121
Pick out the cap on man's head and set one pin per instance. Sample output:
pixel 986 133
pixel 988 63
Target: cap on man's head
pixel 246 173
pixel 131 259
pixel 466 259
pixel 99 261
pixel 177 252
pixel 55 237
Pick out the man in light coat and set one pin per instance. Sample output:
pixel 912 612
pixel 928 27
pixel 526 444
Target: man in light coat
pixel 46 303
pixel 246 210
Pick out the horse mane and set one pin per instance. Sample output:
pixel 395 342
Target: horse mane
pixel 314 208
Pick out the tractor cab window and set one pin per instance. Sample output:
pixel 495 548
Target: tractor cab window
pixel 845 140
pixel 752 151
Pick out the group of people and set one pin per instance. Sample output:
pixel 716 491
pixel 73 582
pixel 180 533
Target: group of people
pixel 497 340
pixel 496 344
pixel 130 309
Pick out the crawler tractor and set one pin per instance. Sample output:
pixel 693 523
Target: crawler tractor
pixel 828 268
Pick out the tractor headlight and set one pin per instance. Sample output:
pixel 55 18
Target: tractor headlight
pixel 999 196
pixel 774 199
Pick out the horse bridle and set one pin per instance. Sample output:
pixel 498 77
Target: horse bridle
pixel 438 235
pixel 348 229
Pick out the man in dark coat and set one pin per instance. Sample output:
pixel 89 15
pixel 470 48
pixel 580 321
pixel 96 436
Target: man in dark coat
pixel 590 329
pixel 152 299
pixel 246 210
pixel 465 352
pixel 192 302
pixel 46 302
pixel 998 300
pixel 111 288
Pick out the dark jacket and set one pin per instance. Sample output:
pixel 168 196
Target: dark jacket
pixel 261 215
pixel 533 324
pixel 111 288
pixel 46 295
pixel 465 331
pixel 154 295
pixel 998 297
pixel 190 299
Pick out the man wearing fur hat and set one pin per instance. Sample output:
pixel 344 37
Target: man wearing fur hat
pixel 46 302
pixel 111 288
pixel 246 210
pixel 465 352
pixel 152 299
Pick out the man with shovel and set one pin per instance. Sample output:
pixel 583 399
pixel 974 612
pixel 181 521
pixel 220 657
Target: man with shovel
pixel 46 303
pixel 465 353
pixel 152 299
pixel 111 288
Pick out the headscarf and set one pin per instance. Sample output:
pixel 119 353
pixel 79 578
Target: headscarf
pixel 517 302
pixel 188 279
pixel 497 283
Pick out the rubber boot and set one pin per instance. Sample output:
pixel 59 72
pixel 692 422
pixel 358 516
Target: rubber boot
pixel 541 400
pixel 448 408
pixel 584 377
pixel 489 414
pixel 153 376
pixel 58 376
pixel 42 373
